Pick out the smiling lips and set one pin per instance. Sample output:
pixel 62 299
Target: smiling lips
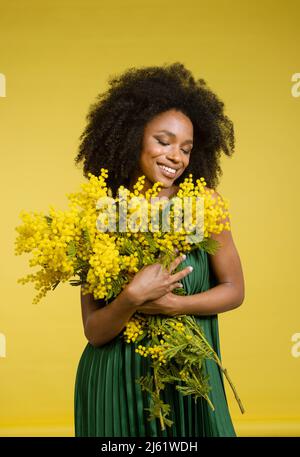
pixel 167 171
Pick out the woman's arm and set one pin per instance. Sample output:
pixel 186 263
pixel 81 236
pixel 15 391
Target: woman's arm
pixel 103 322
pixel 227 295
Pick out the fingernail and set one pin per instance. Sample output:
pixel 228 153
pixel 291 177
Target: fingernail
pixel 190 268
pixel 183 256
pixel 180 285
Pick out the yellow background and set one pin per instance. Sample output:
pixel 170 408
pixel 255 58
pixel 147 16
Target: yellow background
pixel 57 56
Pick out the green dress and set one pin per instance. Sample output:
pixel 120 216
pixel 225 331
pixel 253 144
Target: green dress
pixel 109 403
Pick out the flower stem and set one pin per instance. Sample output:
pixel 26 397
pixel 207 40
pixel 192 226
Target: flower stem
pixel 162 424
pixel 209 402
pixel 218 361
pixel 233 389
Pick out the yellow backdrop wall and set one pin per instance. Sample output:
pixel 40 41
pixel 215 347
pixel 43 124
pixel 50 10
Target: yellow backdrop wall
pixel 55 57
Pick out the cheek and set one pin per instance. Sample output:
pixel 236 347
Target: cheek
pixel 149 155
pixel 146 162
pixel 187 161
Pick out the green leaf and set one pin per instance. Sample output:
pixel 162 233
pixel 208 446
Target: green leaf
pixel 146 383
pixel 210 245
pixel 49 220
pixel 141 337
pixel 110 294
pixel 71 249
pixel 75 282
pixel 55 285
pixel 86 236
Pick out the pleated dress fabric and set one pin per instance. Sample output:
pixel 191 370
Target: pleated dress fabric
pixel 109 403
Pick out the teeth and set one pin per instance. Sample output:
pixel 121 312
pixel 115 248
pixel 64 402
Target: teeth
pixel 170 170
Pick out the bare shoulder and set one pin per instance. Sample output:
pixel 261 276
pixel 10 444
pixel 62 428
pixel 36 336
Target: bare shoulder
pixel 218 198
pixel 226 263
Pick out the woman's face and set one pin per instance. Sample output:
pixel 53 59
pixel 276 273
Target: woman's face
pixel 166 148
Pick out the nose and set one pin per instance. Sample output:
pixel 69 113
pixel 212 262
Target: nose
pixel 174 154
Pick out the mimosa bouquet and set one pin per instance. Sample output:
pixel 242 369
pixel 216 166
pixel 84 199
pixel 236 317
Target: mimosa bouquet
pixel 100 242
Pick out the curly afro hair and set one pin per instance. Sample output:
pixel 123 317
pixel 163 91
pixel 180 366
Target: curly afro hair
pixel 113 136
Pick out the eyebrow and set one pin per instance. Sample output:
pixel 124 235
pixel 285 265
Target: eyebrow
pixel 173 135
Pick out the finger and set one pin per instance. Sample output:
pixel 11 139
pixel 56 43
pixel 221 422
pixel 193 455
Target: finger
pixel 176 262
pixel 148 310
pixel 176 285
pixel 143 307
pixel 181 274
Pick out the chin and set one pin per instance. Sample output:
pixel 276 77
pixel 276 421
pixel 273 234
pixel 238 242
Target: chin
pixel 165 182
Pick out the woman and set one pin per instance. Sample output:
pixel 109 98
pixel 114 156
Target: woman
pixel 162 123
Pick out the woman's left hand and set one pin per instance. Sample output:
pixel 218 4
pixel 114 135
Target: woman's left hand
pixel 162 305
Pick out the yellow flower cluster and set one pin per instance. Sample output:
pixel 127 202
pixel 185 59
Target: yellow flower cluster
pixel 137 326
pixel 47 239
pixel 92 190
pixel 104 266
pixel 183 374
pixel 69 243
pixel 138 187
pixel 130 263
pixel 216 212
pixel 178 326
pixel 134 328
pixel 154 352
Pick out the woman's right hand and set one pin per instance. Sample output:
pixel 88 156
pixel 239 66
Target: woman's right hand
pixel 154 281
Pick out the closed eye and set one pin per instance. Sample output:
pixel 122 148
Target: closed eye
pixel 167 144
pixel 164 144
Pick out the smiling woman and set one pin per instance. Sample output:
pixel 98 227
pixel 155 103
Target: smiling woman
pixel 161 123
